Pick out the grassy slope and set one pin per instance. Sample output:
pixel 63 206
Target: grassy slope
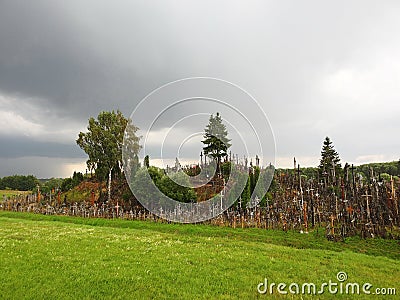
pixel 64 257
pixel 9 193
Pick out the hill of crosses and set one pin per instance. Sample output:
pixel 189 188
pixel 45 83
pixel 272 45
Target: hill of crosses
pixel 340 201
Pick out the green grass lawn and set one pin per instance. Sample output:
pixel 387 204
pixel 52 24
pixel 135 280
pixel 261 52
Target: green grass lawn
pixel 53 257
pixel 9 193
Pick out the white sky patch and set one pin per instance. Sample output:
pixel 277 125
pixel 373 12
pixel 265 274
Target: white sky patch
pixel 364 89
pixel 18 117
pixel 373 158
pixel 163 163
pixel 304 161
pixel 68 168
pixel 14 124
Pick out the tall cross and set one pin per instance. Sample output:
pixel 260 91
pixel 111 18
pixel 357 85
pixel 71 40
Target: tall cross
pixel 38 193
pixel 342 188
pixel 92 198
pixel 117 207
pixel 332 225
pixel 367 197
pixel 346 173
pixel 372 173
pixel 305 216
pixel 301 188
pixel 336 207
pixel 354 180
pixel 394 199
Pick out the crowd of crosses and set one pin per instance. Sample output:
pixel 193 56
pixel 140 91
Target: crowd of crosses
pixel 340 204
pixel 336 200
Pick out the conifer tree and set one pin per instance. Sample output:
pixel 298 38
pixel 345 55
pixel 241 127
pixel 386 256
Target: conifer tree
pixel 216 142
pixel 329 165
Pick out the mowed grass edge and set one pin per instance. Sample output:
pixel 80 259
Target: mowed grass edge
pixel 71 258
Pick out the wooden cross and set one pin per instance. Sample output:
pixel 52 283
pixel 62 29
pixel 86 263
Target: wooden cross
pixel 367 197
pixel 117 207
pixel 350 210
pixel 38 193
pixel 342 188
pixel 353 179
pixel 394 199
pixel 332 224
pixel 336 207
pixel 305 216
pixel 92 198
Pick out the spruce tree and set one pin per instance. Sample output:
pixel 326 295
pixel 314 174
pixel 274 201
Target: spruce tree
pixel 216 142
pixel 329 165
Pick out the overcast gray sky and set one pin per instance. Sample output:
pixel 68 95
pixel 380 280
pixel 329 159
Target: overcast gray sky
pixel 317 68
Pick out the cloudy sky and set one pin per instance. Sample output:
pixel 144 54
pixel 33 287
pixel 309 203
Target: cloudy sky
pixel 316 68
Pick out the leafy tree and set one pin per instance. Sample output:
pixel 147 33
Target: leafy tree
pixel 141 183
pixel 216 142
pixel 51 184
pixel 172 189
pixel 66 184
pixel 71 182
pixel 330 161
pixel 390 168
pixel 164 183
pixel 19 182
pixel 103 143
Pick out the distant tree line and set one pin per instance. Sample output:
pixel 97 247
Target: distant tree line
pixel 390 168
pixel 30 183
pixel 19 182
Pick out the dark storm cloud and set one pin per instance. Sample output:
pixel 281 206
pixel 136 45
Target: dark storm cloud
pixel 17 147
pixel 49 52
pixel 317 68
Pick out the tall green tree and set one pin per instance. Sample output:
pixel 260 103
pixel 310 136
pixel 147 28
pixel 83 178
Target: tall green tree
pixel 216 141
pixel 329 165
pixel 103 143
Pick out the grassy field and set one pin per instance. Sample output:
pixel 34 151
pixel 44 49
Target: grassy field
pixel 9 193
pixel 53 257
